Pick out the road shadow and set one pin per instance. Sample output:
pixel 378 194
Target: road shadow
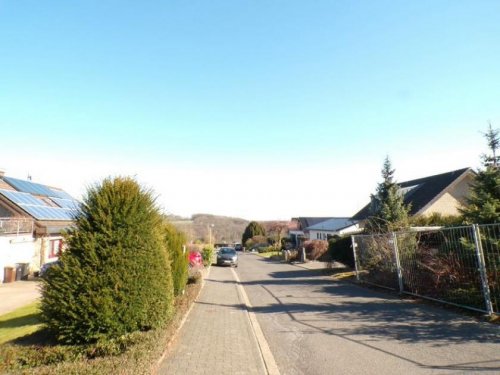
pixel 377 314
pixel 374 318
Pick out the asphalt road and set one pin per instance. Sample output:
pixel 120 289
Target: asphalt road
pixel 314 325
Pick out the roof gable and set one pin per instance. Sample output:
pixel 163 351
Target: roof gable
pixel 422 191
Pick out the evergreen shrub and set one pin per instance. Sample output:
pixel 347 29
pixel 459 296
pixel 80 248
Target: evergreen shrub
pixel 175 241
pixel 114 278
pixel 253 229
pixel 207 253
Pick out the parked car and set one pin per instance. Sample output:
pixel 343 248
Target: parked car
pixel 195 259
pixel 227 256
pixel 45 267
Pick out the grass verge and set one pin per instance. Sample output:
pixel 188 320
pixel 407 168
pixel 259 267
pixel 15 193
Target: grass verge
pixel 270 254
pixel 136 353
pixel 20 322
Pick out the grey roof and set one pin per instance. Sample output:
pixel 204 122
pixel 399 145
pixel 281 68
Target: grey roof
pixel 421 191
pixel 333 224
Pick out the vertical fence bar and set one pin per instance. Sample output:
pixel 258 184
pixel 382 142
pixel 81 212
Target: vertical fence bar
pixel 398 263
pixel 482 268
pixel 353 241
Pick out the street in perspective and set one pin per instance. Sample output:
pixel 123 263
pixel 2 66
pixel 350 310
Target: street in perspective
pixel 315 325
pixel 250 187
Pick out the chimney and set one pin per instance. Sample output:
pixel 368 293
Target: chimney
pixel 2 173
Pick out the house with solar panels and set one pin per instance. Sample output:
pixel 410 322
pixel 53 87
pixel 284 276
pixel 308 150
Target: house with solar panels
pixel 32 219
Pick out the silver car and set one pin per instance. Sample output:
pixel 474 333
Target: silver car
pixel 227 257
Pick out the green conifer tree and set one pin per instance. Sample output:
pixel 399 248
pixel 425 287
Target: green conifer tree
pixel 483 205
pixel 252 229
pixel 114 277
pixel 388 211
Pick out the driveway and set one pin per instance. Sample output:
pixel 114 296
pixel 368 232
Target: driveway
pixel 18 294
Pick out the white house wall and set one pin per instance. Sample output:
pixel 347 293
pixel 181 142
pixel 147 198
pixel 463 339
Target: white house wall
pixel 16 249
pixel 313 234
pixel 352 229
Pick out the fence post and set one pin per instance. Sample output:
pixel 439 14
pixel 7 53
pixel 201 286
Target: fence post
pixel 482 268
pixel 398 264
pixel 354 245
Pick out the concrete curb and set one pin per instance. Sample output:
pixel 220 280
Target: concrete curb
pixel 265 352
pixel 204 273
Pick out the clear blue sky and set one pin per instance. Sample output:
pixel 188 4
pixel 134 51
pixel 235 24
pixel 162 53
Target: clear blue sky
pixel 303 97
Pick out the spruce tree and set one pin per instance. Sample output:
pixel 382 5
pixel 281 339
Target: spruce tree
pixel 388 211
pixel 114 277
pixel 252 229
pixel 483 205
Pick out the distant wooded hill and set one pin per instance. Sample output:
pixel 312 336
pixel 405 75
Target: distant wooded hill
pixel 224 229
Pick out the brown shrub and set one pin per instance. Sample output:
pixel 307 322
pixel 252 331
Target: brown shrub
pixel 315 249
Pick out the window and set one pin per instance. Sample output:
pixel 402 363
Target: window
pixel 55 248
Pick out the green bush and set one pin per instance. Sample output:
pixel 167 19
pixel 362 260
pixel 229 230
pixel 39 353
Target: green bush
pixel 340 250
pixel 114 277
pixel 436 219
pixel 266 249
pixel 207 253
pixel 175 241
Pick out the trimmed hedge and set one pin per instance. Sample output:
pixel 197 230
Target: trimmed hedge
pixel 114 278
pixel 175 241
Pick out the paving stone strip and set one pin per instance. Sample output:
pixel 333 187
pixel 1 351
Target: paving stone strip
pixel 217 337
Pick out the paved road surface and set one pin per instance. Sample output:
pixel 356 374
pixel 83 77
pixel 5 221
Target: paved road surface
pixel 316 326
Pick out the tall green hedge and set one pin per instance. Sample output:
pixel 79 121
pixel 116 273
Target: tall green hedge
pixel 115 277
pixel 175 242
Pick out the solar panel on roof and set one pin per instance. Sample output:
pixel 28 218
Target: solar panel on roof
pixel 61 194
pixel 39 209
pixel 34 188
pixel 22 198
pixel 71 204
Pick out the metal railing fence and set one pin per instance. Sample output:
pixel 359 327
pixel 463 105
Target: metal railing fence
pixel 490 244
pixel 16 226
pixel 375 260
pixel 459 266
